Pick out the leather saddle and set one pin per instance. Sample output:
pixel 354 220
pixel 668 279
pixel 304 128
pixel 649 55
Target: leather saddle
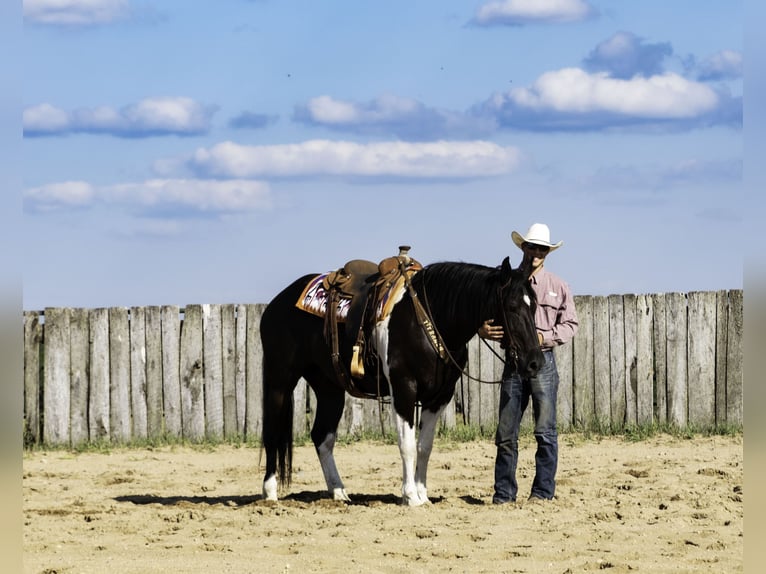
pixel 364 283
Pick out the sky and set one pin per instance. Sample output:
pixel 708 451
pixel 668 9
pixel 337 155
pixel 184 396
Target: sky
pixel 183 152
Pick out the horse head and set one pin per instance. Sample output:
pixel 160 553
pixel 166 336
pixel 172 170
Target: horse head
pixel 517 316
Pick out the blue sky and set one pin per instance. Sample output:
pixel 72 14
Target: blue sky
pixel 184 152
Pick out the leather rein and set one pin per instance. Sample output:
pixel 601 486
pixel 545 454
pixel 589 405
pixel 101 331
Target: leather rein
pixel 425 318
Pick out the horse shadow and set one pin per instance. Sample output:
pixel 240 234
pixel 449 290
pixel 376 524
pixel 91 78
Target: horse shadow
pixel 304 497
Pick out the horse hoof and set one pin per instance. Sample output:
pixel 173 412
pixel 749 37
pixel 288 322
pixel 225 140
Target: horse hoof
pixel 413 502
pixel 339 494
pixel 270 489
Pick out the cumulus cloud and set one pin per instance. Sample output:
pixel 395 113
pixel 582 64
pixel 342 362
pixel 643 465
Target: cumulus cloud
pixel 725 65
pixel 441 159
pixel 521 12
pixel 625 55
pixel 155 196
pixel 146 118
pixel 75 12
pixel 389 115
pixel 573 99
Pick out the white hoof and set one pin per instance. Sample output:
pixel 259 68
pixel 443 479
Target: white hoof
pixel 339 494
pixel 270 489
pixel 415 500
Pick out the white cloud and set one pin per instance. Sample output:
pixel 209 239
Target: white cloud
pixel 725 65
pixel 45 118
pixel 66 194
pixel 146 118
pixel 574 90
pixel 162 196
pixel 442 159
pixel 75 12
pixel 519 12
pixel 390 115
pixel 573 99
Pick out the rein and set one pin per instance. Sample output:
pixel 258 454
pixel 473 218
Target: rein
pixel 438 342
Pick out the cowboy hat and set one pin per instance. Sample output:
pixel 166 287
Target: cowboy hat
pixel 539 234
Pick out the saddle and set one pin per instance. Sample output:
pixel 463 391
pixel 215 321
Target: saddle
pixel 367 285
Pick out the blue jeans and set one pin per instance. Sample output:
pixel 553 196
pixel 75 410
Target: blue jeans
pixel 515 393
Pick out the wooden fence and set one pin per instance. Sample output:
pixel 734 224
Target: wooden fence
pixel 130 374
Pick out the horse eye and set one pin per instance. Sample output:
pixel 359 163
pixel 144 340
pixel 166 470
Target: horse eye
pixel 527 301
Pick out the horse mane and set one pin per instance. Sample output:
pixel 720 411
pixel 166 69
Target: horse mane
pixel 453 289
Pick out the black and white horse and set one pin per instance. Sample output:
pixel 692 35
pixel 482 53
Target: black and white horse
pixel 457 296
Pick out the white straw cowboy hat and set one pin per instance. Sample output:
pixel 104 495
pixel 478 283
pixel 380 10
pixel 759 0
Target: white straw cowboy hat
pixel 539 234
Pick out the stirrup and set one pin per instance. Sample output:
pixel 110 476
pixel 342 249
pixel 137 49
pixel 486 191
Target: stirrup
pixel 357 365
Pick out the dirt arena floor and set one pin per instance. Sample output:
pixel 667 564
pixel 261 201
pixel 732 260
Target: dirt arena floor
pixel 661 505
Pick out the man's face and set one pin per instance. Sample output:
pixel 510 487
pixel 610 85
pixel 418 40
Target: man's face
pixel 536 253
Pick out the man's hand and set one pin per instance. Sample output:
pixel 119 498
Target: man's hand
pixel 490 331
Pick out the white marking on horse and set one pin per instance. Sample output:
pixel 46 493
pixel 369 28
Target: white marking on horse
pixel 330 470
pixel 270 488
pixel 415 452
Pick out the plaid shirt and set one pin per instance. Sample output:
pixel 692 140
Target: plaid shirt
pixel 555 317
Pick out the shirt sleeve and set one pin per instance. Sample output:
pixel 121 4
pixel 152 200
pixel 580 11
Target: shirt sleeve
pixel 556 317
pixel 566 324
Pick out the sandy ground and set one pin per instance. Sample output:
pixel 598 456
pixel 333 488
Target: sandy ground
pixel 660 505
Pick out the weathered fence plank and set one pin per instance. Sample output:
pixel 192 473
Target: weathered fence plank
pixel 170 320
pixel 212 352
pixel 734 366
pixel 56 387
pixel 138 372
pixel 701 358
pixel 229 369
pixel 490 392
pixel 644 362
pixel 601 372
pixel 119 374
pixel 33 336
pixel 99 402
pixel 675 308
pixel 721 334
pixel 617 360
pixel 79 355
pixel 584 404
pixel 254 398
pixel 192 376
pixel 300 421
pixel 472 391
pixel 153 337
pixel 659 347
pixel 563 356
pixel 631 359
pixel 240 370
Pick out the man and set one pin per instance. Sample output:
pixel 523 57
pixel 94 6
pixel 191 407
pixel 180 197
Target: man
pixel 556 322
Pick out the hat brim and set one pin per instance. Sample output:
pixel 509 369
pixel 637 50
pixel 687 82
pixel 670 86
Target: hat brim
pixel 520 240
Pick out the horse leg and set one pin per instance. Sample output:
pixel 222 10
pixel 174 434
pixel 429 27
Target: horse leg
pixel 330 403
pixel 408 450
pixel 428 422
pixel 277 426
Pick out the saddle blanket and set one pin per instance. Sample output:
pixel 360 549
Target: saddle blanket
pixel 314 299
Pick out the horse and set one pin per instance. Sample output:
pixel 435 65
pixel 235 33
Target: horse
pixel 458 298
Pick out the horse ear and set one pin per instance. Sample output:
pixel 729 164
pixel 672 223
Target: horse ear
pixel 505 266
pixel 526 267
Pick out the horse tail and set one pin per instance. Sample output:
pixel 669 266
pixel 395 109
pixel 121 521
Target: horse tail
pixel 278 428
